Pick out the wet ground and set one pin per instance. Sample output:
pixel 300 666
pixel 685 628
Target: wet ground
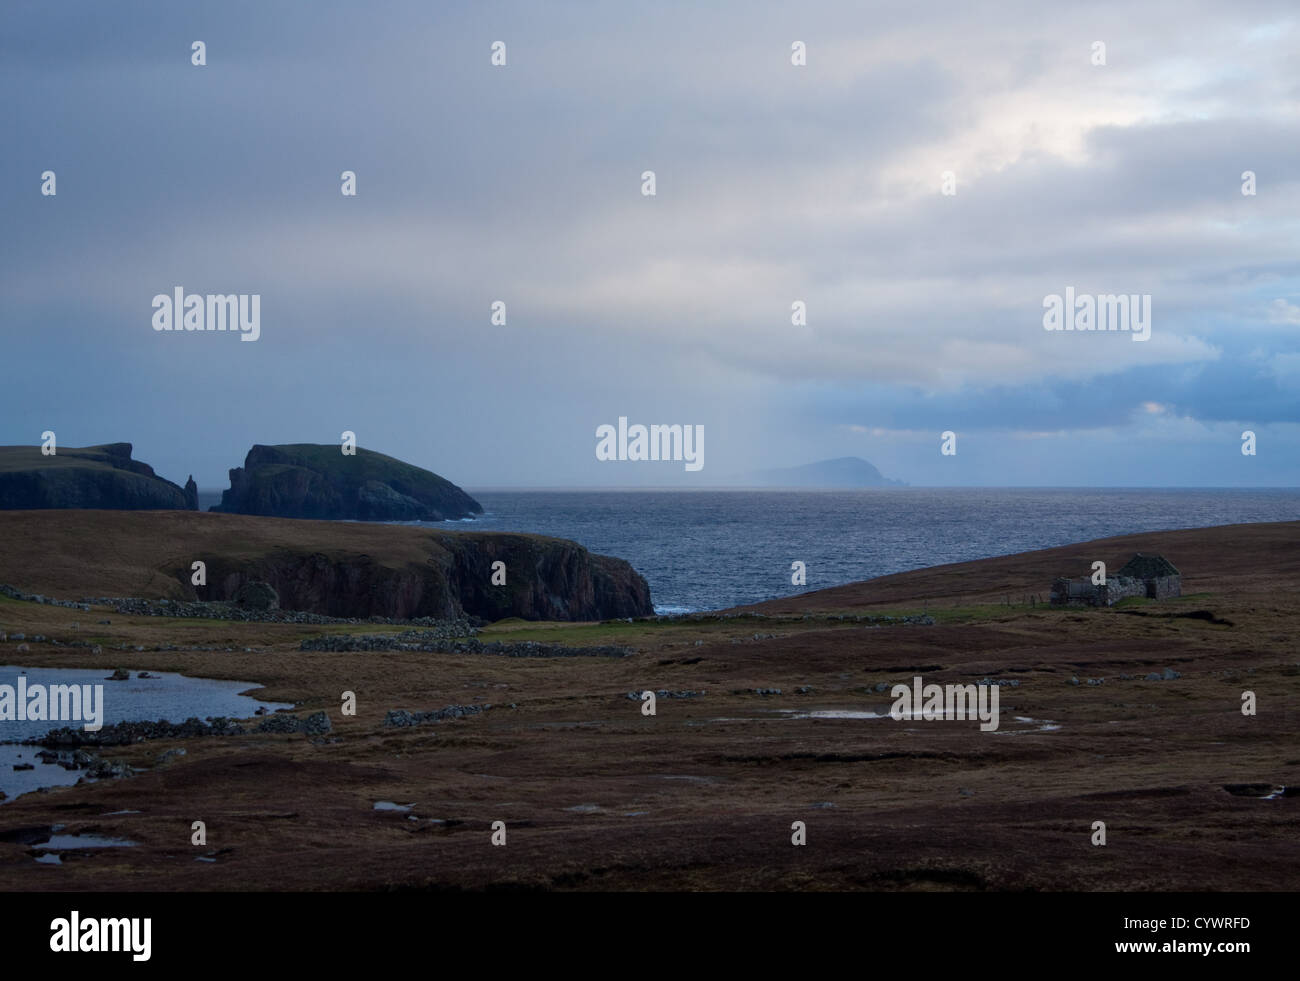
pixel 702 795
pixel 165 696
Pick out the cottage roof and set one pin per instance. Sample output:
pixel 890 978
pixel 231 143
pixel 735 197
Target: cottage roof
pixel 1148 567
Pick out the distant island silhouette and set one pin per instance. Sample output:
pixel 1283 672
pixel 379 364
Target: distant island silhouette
pixel 842 472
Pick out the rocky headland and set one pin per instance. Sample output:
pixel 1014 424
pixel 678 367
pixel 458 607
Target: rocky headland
pixel 309 480
pixel 103 477
pixel 334 569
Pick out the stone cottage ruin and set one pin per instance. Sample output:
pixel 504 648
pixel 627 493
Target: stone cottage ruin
pixel 1149 576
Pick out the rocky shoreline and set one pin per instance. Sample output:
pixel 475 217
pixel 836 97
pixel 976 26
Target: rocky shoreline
pixel 125 733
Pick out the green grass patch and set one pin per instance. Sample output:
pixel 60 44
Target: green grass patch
pixel 347 628
pixel 515 630
pixel 1128 602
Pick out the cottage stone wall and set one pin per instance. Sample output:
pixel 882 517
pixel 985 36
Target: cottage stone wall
pixel 1082 592
pixel 1120 587
pixel 1165 587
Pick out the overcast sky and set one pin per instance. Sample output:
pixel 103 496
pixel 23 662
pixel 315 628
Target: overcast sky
pixel 775 184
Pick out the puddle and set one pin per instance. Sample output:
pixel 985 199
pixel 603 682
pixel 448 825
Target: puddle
pixel 1043 725
pixel 50 846
pixel 388 805
pixel 59 843
pixel 1261 791
pixel 779 715
pixel 15 783
pixel 584 808
pixel 171 697
pixel 836 714
pixel 705 722
pixel 782 715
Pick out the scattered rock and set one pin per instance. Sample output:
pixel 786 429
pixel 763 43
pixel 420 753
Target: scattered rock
pixel 1168 674
pixel 106 769
pixel 315 724
pixel 441 642
pixel 121 674
pixel 124 733
pixel 400 718
pixel 76 760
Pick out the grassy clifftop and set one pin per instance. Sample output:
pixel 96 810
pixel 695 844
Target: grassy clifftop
pixel 309 480
pixel 336 568
pixel 83 477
